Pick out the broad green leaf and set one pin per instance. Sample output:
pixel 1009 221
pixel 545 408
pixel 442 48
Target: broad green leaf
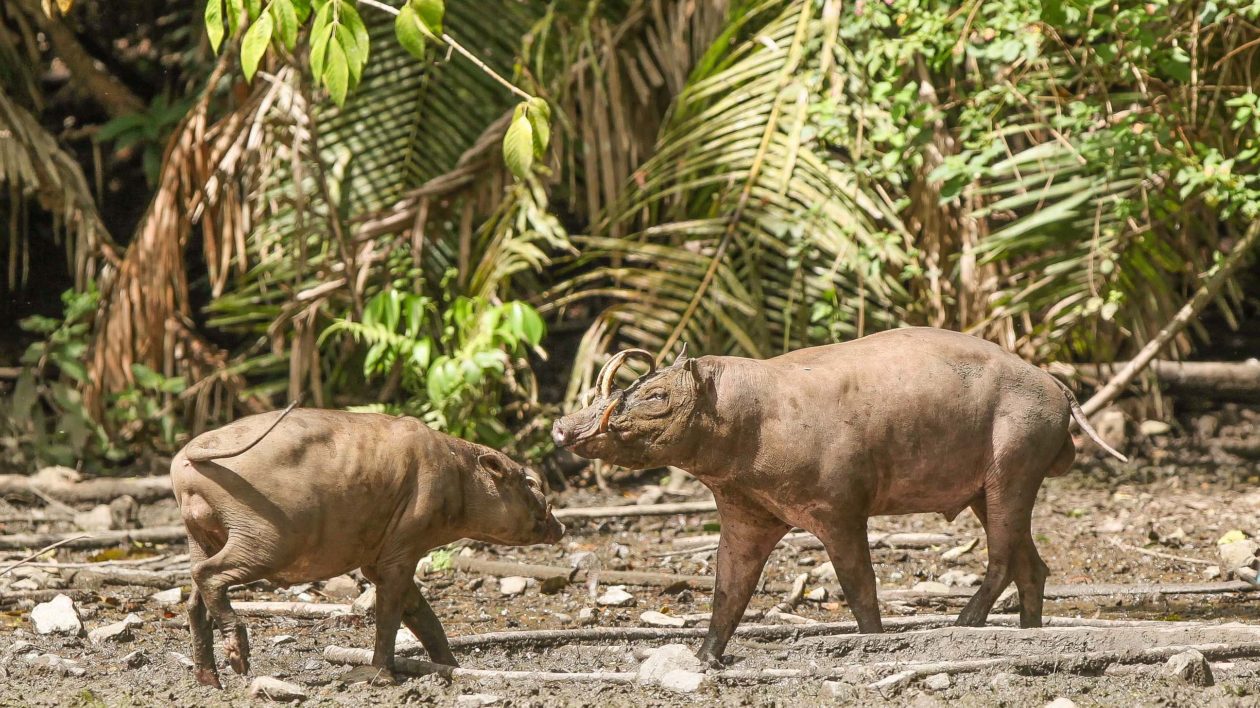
pixel 255 45
pixel 409 32
pixel 254 7
pixel 430 13
pixel 350 18
pixel 540 121
pixel 518 144
pixel 214 23
pixel 286 22
pixel 319 52
pixel 354 56
pixel 303 10
pixel 421 351
pixel 336 72
pixel 235 10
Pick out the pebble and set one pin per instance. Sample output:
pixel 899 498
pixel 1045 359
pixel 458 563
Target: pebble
pixel 824 572
pixel 586 615
pixel 938 682
pixel 1212 572
pixel 56 664
pixel 959 579
pixel 135 659
pixel 840 691
pixel 1061 702
pixel 817 595
pixel 366 602
pixel 930 586
pixel 100 518
pixel 341 587
pixel 273 688
pixel 180 659
pixel 283 639
pixel 673 667
pixel 657 619
pixel 1002 680
pixel 892 685
pixel 1151 428
pixel 1191 667
pixel 172 596
pixel 57 616
pixel 615 596
pixel 117 631
pixel 584 560
pixel 1239 554
pixel 475 700
pixel 313 665
pixel 512 585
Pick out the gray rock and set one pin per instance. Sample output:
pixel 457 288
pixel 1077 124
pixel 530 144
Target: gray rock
pixel 938 682
pixel 930 586
pixel 840 691
pixel 824 573
pixel 1151 428
pixel 1111 427
pixel 476 700
pixel 615 596
pixel 817 595
pixel 583 560
pixel 366 602
pixel 512 585
pixel 180 659
pixel 1191 667
pixel 135 659
pixel 680 681
pixel 341 587
pixel 313 665
pixel 586 615
pixel 1239 554
pixel 274 689
pixel 117 631
pixel 657 619
pixel 283 639
pixel 1061 702
pixel 172 596
pixel 1003 681
pixel 666 659
pixel 57 616
pixel 21 647
pixel 52 663
pixel 99 518
pixel 892 685
pixel 959 579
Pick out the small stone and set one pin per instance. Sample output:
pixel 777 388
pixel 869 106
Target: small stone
pixel 586 615
pixel 366 602
pixel 512 585
pixel 1111 427
pixel 135 659
pixel 1151 428
pixel 57 616
pixel 657 619
pixel 892 685
pixel 1191 667
pixel 283 639
pixel 650 495
pixel 100 518
pixel 1003 680
pixel 1239 554
pixel 20 648
pixel 475 700
pixel 938 682
pixel 25 584
pixel 405 636
pixel 823 573
pixel 562 617
pixel 1110 525
pixel 583 560
pixel 341 587
pixel 168 597
pixel 180 659
pixel 116 632
pixel 615 596
pixel 1212 572
pixel 56 664
pixel 674 664
pixel 817 595
pixel 1061 702
pixel 313 665
pixel 274 689
pixel 840 691
pixel 930 586
pixel 959 579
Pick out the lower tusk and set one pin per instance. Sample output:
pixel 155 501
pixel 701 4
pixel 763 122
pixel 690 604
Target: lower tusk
pixel 603 419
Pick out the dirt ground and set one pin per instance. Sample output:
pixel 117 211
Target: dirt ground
pixel 1177 500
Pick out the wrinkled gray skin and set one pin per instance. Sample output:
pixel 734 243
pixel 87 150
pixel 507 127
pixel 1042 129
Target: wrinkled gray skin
pixel 905 421
pixel 308 494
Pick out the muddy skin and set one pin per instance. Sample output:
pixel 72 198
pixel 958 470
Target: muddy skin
pixel 305 494
pixel 905 421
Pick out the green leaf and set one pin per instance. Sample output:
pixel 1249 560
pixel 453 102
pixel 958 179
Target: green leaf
pixel 540 120
pixel 351 19
pixel 354 56
pixel 518 144
pixel 336 72
pixel 235 10
pixel 319 52
pixel 409 31
pixel 214 23
pixel 430 13
pixel 254 7
pixel 303 10
pixel 255 45
pixel 286 22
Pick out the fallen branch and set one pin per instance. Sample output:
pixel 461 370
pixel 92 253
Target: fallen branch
pixel 1220 380
pixel 162 559
pixel 10 597
pixel 99 539
pixel 633 510
pixel 302 610
pixel 1209 291
pixel 95 578
pixel 581 575
pixel 39 553
pixel 417 667
pixel 144 489
pixel 543 637
pixel 807 540
pixel 1156 554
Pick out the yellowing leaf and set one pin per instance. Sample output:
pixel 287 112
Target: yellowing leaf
pixel 408 30
pixel 540 121
pixel 255 44
pixel 430 13
pixel 336 72
pixel 1233 536
pixel 518 144
pixel 65 6
pixel 286 22
pixel 214 23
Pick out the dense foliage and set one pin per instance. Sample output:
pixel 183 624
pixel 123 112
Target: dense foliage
pixel 371 204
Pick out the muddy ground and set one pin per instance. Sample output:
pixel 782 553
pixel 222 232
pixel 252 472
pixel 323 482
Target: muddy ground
pixel 1177 500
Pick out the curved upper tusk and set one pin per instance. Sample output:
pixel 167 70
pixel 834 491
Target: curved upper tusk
pixel 604 383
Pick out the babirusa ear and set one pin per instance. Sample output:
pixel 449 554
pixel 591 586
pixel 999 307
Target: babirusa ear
pixel 493 464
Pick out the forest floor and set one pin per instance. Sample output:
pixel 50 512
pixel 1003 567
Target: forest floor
pixel 1151 522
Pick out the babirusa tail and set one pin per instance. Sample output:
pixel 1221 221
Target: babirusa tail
pixel 1079 416
pixel 205 455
